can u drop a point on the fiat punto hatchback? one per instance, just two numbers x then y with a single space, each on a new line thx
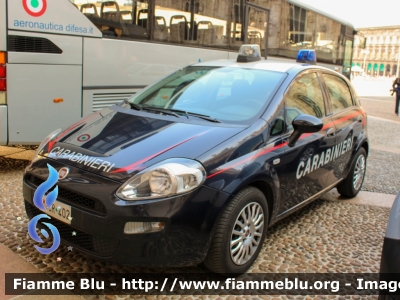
197 166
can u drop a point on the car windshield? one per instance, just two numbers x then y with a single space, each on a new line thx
226 94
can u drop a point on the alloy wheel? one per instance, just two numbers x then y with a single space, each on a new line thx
247 232
359 172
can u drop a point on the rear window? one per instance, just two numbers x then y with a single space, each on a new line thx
228 94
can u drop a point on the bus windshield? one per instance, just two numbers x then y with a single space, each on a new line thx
228 94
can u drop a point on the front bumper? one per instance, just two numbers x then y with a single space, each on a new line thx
99 217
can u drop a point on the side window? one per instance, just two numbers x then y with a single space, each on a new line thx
304 97
339 92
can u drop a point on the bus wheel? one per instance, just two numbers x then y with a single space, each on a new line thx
239 234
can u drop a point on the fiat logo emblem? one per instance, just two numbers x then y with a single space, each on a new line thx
62 173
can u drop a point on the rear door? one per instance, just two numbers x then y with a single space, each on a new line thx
348 119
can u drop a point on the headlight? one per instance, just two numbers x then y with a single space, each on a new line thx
47 139
169 178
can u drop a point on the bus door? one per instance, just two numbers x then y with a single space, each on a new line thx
348 53
256 25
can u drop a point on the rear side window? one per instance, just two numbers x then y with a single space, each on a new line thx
304 97
339 92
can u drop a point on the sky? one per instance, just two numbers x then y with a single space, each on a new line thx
361 13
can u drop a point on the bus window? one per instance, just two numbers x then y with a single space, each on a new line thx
160 31
143 17
327 41
117 18
307 29
257 27
237 25
171 21
127 16
89 10
211 24
192 22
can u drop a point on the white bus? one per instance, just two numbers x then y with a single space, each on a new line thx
60 61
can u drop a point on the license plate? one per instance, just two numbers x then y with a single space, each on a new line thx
60 211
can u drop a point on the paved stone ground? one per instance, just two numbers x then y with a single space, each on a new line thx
382 107
18 152
383 133
384 159
325 236
382 174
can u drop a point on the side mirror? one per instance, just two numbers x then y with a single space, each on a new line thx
304 124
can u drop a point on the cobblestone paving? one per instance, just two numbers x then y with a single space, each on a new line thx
323 237
380 107
384 133
382 174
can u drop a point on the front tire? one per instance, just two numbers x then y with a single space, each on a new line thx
352 184
239 234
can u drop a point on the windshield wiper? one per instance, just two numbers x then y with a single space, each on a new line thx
132 105
180 111
204 117
207 118
171 112
161 110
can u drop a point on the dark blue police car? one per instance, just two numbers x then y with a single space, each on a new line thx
197 166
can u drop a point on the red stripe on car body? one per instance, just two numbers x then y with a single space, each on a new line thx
52 143
250 158
284 144
138 163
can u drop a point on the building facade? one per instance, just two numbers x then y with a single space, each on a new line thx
381 55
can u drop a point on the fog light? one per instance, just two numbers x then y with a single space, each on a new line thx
143 227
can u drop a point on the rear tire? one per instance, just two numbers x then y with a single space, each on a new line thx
239 234
352 184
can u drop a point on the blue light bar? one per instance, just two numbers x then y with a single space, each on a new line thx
307 56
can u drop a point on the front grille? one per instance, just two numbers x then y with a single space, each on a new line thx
76 200
101 246
18 43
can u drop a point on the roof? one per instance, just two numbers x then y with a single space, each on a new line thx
261 65
268 65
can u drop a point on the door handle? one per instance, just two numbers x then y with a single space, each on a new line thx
330 131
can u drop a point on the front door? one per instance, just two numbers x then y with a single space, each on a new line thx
306 166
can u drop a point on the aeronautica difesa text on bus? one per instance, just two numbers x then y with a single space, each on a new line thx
61 61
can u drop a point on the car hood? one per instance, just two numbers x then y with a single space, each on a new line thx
118 143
